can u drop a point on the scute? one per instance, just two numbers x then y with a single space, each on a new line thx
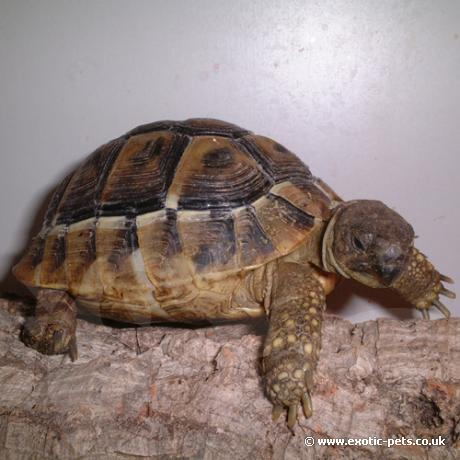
208 240
169 202
254 244
215 172
277 160
142 173
193 127
82 193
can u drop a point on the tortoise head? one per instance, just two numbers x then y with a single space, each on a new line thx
367 241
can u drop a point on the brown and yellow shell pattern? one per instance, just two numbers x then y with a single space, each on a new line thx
151 214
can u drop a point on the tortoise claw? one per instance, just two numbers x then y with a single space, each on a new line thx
425 313
446 279
73 350
307 405
442 308
276 412
292 415
447 293
293 410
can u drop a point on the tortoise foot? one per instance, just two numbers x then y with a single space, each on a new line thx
289 387
52 330
433 298
50 338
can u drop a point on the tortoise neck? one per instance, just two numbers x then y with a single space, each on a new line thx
327 252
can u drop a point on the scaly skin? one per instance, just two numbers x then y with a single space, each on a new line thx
52 329
293 342
370 243
420 284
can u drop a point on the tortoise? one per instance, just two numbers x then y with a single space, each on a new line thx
203 220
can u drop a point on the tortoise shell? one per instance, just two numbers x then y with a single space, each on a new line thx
170 201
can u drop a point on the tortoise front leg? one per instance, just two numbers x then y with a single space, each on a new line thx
52 329
421 284
293 342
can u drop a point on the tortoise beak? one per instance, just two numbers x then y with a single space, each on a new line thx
390 264
389 273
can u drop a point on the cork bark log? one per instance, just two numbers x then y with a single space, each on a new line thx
169 392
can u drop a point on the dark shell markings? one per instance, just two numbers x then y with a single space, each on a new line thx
169 202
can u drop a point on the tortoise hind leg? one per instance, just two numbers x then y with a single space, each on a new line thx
294 340
52 329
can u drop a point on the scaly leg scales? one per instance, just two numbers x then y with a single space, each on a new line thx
293 342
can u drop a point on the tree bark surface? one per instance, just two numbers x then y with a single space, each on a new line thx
169 392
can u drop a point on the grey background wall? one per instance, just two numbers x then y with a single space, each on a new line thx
365 92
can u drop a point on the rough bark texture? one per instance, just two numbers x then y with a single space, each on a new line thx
159 392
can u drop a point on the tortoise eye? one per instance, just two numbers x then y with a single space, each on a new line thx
362 241
358 244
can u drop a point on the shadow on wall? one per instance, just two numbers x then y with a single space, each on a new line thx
389 300
9 284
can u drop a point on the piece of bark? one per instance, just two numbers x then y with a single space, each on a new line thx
169 392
